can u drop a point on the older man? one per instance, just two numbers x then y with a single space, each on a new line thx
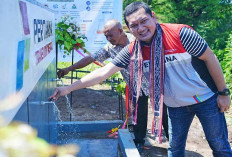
181 71
117 40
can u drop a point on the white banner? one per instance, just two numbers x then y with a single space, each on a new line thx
91 14
27 47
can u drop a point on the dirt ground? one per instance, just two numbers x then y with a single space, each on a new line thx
101 103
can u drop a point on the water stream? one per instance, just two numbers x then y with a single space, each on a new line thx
55 107
57 110
67 100
62 133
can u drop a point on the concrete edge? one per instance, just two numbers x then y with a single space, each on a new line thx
126 144
88 126
81 127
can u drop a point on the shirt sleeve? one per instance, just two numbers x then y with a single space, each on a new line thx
101 55
193 43
122 59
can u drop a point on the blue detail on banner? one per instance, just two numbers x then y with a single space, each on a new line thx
87 20
88 3
107 12
55 6
20 65
88 8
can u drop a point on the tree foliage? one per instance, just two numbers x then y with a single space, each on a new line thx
210 18
227 62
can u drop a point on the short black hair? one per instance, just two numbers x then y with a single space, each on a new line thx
133 7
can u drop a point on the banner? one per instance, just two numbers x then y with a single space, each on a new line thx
91 15
27 47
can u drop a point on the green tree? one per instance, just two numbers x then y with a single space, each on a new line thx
226 63
210 18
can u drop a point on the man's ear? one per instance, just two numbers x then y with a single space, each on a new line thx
153 15
120 30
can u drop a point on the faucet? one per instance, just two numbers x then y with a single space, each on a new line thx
58 80
50 101
46 102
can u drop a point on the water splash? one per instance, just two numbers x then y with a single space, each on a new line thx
67 100
55 107
69 106
58 111
66 136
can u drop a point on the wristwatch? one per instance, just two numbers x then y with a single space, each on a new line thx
225 92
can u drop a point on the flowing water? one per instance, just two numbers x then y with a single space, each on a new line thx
67 100
57 110
62 132
69 106
55 107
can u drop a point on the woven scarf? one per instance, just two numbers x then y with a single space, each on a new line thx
156 82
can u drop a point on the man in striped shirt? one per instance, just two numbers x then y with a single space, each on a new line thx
193 80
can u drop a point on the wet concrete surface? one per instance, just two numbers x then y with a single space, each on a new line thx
91 144
96 147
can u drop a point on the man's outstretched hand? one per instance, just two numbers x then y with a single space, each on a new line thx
58 92
62 72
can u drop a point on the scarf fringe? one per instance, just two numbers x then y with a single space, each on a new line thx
156 80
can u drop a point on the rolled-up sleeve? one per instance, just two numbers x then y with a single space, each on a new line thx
122 60
101 55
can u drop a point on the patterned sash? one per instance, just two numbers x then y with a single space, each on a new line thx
156 82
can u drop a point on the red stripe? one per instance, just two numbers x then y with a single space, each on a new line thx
127 98
196 99
98 64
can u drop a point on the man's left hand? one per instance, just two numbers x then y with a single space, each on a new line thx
223 102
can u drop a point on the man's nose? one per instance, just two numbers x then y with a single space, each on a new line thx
140 28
